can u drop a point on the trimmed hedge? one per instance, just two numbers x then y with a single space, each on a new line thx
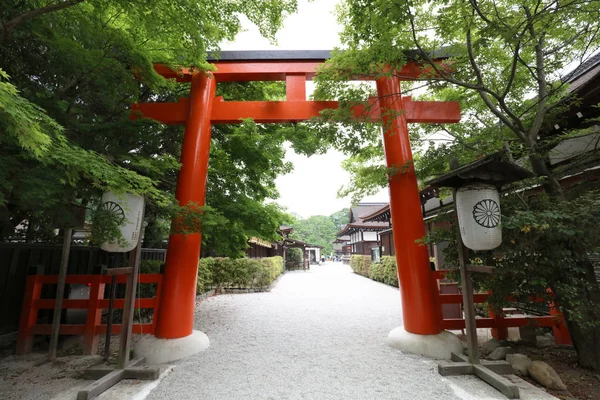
361 264
243 273
384 271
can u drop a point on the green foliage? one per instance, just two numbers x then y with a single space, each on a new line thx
340 218
388 272
28 124
320 230
224 273
504 64
546 244
317 230
66 134
293 257
384 271
504 61
360 264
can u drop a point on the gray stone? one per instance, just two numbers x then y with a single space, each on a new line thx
545 341
500 353
490 346
519 362
545 375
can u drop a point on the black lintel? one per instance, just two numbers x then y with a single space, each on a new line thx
310 55
269 55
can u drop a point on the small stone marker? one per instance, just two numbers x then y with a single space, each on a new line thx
545 375
520 363
500 353
489 346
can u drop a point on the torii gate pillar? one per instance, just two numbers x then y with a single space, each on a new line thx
422 332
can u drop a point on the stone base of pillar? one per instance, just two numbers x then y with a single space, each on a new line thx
439 346
160 351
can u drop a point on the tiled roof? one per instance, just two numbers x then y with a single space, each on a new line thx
363 209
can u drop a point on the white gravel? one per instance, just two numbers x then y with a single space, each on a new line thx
318 334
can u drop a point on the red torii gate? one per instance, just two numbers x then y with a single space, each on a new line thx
421 313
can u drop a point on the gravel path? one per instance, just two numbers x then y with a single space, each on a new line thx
318 334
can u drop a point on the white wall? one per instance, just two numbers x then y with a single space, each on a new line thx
370 236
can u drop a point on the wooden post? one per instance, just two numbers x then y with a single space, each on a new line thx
111 303
60 291
129 306
467 293
33 290
94 316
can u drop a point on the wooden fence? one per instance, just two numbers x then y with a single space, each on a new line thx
93 327
17 260
499 322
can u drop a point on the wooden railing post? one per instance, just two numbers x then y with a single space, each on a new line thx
33 290
157 302
500 332
560 330
94 316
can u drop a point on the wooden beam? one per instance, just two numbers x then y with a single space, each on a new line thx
246 71
480 268
231 112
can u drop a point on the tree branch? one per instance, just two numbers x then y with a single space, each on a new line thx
542 84
513 69
19 19
515 125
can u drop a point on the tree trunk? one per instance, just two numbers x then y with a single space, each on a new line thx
551 185
585 330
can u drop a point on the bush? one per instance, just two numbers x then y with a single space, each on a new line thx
388 271
361 264
384 271
294 257
222 273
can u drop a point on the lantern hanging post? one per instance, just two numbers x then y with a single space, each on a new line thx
477 208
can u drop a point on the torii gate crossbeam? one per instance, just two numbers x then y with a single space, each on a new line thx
421 313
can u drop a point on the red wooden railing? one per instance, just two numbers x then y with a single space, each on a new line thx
94 305
499 322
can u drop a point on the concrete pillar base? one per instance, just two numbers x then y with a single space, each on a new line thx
440 346
160 351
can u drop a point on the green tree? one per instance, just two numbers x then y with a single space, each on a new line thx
66 133
504 64
340 218
320 230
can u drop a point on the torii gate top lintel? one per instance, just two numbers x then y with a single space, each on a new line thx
295 68
277 65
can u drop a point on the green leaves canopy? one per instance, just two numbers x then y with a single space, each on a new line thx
75 68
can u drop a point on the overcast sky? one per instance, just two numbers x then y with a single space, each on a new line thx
311 189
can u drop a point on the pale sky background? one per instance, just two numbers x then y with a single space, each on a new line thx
311 189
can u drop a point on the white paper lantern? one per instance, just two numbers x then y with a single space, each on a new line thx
478 207
129 209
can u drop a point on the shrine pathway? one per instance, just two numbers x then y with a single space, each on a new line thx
318 334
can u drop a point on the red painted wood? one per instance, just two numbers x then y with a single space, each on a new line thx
509 322
33 289
457 298
420 302
94 316
87 279
295 87
46 329
246 71
232 112
178 297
